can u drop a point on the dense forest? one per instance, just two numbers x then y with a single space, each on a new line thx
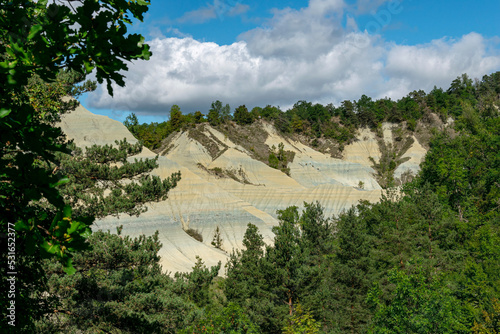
424 259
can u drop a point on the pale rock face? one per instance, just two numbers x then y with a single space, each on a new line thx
88 129
195 203
361 150
387 132
366 146
416 153
312 168
204 201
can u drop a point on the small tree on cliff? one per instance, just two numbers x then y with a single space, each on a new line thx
217 239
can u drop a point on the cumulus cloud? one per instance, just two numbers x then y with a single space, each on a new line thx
306 33
299 54
435 62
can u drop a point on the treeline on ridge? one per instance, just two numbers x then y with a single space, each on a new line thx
336 123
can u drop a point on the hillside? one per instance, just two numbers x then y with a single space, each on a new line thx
425 253
225 185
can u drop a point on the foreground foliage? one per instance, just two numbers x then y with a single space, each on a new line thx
119 287
46 50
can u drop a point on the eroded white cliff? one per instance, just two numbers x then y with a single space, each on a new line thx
203 200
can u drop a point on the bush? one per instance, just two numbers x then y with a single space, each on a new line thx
273 161
195 234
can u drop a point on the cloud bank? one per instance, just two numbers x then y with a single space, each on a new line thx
305 54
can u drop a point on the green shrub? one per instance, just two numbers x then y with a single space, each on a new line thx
195 234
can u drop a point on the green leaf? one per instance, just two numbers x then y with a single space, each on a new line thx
4 112
34 30
50 248
67 211
89 66
68 267
87 233
60 182
21 226
74 227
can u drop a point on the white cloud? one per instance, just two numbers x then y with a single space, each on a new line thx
440 61
198 16
211 11
299 54
238 9
305 33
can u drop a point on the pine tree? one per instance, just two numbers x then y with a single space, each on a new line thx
214 114
242 116
351 272
195 284
316 242
249 283
243 268
217 239
176 118
287 255
120 287
103 181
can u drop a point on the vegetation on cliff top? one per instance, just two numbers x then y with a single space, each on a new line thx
328 128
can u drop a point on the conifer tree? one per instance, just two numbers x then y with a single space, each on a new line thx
103 181
243 268
214 114
120 287
242 116
317 231
217 239
195 284
351 271
317 240
287 255
247 283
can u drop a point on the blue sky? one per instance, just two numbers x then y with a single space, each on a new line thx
277 52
